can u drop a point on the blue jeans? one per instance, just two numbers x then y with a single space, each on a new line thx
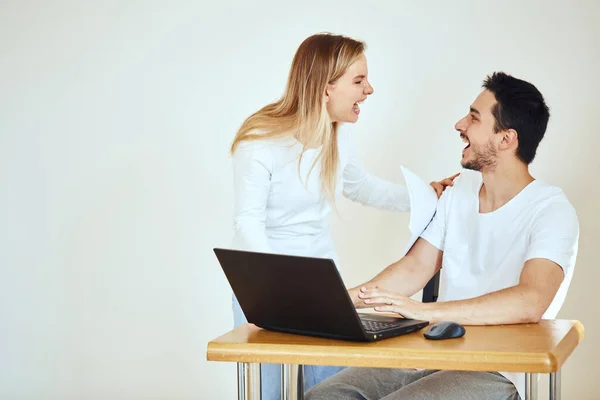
271 373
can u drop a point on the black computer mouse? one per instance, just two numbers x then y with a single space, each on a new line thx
445 330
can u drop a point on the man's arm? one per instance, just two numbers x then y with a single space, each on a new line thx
406 276
525 302
550 255
412 272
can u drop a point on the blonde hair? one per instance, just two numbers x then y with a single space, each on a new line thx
320 60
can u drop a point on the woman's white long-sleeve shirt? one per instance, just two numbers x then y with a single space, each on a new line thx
277 210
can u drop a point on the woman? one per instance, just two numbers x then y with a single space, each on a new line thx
290 163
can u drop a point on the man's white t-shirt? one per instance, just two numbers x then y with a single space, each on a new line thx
486 252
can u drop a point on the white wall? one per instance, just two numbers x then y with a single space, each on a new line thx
115 182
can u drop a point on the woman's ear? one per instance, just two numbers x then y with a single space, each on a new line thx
328 89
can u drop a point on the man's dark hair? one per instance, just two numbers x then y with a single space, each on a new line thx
520 106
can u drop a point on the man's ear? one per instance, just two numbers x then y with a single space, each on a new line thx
510 138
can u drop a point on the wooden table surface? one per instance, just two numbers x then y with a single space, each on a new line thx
540 348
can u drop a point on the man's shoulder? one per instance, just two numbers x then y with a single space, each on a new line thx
546 195
551 201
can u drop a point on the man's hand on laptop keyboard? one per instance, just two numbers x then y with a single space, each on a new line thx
356 300
355 295
385 301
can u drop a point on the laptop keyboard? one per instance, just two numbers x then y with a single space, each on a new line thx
375 326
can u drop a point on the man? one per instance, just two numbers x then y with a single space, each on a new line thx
506 244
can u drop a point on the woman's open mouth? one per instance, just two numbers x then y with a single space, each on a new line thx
356 106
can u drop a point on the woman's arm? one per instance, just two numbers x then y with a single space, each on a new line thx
365 188
252 168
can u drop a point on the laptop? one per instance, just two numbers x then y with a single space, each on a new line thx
303 295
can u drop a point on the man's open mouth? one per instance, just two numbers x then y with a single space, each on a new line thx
465 140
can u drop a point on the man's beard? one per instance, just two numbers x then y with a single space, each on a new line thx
484 158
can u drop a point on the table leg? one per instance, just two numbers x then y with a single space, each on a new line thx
531 386
292 384
248 381
555 387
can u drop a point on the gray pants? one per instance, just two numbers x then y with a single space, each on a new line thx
410 384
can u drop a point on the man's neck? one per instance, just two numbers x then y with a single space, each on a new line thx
501 184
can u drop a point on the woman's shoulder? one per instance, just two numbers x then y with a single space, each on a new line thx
253 146
257 140
267 150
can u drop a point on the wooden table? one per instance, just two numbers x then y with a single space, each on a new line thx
528 348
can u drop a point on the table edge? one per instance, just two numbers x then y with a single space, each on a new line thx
372 357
